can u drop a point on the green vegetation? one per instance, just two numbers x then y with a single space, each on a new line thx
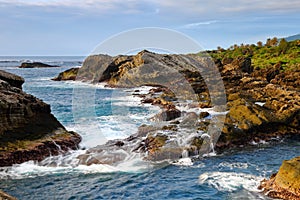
264 55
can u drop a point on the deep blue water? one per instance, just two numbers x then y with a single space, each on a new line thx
234 174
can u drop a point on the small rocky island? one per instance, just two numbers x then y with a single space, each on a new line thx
28 130
35 65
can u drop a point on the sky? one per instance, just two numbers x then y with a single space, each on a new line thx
76 27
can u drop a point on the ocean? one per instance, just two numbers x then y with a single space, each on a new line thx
116 113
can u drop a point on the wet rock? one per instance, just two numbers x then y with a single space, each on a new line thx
286 183
190 120
102 155
203 115
167 115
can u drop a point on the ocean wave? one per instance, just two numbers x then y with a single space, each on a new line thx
65 164
230 181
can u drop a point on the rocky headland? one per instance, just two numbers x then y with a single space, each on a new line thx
262 101
28 130
262 104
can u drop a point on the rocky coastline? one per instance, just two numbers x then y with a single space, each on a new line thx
28 130
262 104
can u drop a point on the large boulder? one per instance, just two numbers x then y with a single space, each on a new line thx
28 130
286 183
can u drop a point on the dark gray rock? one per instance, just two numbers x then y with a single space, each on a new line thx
12 79
35 65
28 130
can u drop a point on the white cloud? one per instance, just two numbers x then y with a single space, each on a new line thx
217 7
183 6
181 9
99 5
198 24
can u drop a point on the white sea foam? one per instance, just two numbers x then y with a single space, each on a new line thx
64 164
31 169
234 165
100 129
123 122
187 108
183 162
259 142
230 181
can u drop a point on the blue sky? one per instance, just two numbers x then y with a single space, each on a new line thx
75 27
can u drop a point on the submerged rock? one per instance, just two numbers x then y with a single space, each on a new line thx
35 65
28 130
285 184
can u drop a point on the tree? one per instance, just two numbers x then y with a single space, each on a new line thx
259 44
274 41
268 42
283 46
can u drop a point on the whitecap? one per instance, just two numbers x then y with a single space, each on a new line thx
230 181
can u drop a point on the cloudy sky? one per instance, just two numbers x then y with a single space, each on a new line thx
75 27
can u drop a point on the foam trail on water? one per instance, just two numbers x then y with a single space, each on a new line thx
64 164
230 181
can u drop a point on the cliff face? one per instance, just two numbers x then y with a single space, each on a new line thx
28 130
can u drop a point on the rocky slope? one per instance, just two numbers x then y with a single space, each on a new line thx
28 130
262 104
286 183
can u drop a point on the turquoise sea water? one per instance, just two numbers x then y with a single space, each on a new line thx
234 174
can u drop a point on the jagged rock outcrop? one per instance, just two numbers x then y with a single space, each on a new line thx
28 130
262 104
35 65
285 184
